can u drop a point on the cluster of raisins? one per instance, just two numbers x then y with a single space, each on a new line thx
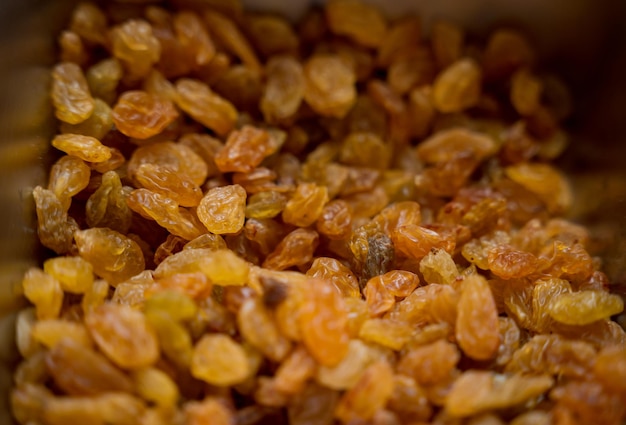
346 221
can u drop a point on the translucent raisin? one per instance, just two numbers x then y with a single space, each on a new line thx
97 125
194 38
458 87
135 45
415 241
44 291
584 307
103 79
114 257
329 85
84 147
370 394
163 180
257 326
73 273
295 249
430 363
141 115
386 333
204 106
334 271
306 204
166 212
176 156
219 360
401 38
71 97
229 35
222 209
477 320
245 149
271 34
322 320
107 207
525 92
265 205
284 89
360 22
68 176
90 22
498 391
80 371
155 386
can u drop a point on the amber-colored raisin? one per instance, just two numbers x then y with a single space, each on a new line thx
295 249
114 257
124 335
78 370
329 85
257 326
430 363
370 394
84 147
226 31
70 94
203 105
322 320
284 89
340 275
141 115
244 150
219 360
73 273
222 209
477 320
457 87
359 21
135 45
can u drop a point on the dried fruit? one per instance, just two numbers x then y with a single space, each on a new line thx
431 363
80 371
295 249
71 98
342 221
124 335
369 394
284 90
73 273
322 320
222 209
114 257
204 106
359 21
141 115
479 391
44 291
306 204
477 320
259 329
84 147
219 360
457 87
584 307
135 45
329 85
334 271
244 150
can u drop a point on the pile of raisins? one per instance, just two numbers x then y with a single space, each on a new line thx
346 221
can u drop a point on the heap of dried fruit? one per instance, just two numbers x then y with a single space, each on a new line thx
348 221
